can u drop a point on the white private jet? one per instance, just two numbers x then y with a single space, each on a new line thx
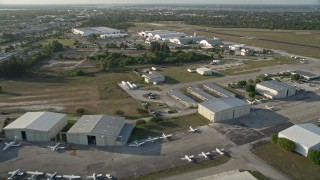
151 139
136 143
205 155
270 107
192 130
188 158
164 136
220 151
71 177
56 147
53 176
15 173
109 176
11 144
34 174
94 176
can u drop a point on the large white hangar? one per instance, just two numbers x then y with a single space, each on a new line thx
275 89
86 31
223 109
36 126
100 130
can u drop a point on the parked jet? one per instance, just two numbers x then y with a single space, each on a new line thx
71 177
188 158
164 136
192 130
34 174
15 173
11 144
53 176
136 143
56 147
94 176
220 151
109 176
151 139
251 102
205 155
270 107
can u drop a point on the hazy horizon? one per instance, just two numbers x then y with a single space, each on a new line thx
131 2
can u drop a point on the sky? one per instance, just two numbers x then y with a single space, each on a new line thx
293 2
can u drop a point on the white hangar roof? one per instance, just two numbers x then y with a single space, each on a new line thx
221 104
275 85
306 134
40 121
97 124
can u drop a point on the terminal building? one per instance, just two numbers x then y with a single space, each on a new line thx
86 31
182 98
36 126
223 109
218 90
306 136
100 130
275 89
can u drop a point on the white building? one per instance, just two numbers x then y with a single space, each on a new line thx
36 126
167 37
155 32
210 43
217 110
306 136
218 90
275 89
204 71
200 93
306 75
153 77
188 40
106 36
182 98
100 130
95 30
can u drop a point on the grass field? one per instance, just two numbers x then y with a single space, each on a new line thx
64 42
167 126
183 169
279 35
294 165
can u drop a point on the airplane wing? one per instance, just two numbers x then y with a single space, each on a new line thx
60 148
7 144
183 158
90 177
71 177
15 145
34 173
109 176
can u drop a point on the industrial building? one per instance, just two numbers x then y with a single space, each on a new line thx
306 75
204 71
167 37
218 90
223 109
95 30
153 77
210 43
100 130
182 98
155 32
306 136
275 89
110 36
200 93
36 126
188 40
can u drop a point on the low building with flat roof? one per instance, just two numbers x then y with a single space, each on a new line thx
275 89
218 90
100 130
204 71
182 98
86 31
306 75
36 126
200 93
223 109
153 77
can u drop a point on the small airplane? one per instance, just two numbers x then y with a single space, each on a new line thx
34 174
251 102
151 139
220 151
192 130
205 155
109 176
71 177
164 136
188 158
15 173
94 176
137 143
11 144
258 100
53 176
56 147
270 107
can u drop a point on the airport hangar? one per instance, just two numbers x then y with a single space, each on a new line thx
217 110
100 130
36 126
275 89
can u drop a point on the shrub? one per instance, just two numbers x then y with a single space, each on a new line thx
156 119
140 122
241 83
119 113
250 87
80 111
252 94
286 144
314 156
79 72
274 138
142 111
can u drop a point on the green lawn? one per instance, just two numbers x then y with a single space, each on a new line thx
167 126
184 169
294 165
